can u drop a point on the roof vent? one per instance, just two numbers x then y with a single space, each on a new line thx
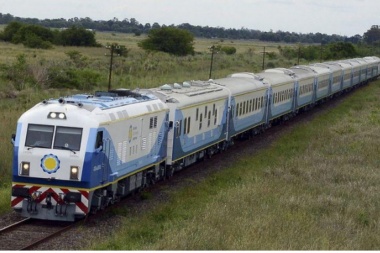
177 86
166 87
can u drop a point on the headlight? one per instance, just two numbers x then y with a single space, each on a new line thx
56 115
25 168
74 171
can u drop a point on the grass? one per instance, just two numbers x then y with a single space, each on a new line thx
315 188
141 69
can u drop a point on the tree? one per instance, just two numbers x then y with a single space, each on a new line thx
77 36
170 40
33 36
10 30
372 35
340 50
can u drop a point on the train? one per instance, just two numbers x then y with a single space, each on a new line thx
76 155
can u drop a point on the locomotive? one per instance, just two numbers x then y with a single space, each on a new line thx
78 154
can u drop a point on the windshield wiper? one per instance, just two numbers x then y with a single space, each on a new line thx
36 146
66 148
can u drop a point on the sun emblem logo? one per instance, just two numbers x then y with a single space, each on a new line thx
50 163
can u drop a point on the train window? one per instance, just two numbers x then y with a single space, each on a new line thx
153 122
200 121
178 128
150 123
216 116
99 139
196 114
209 119
185 126
206 110
188 125
213 110
40 136
68 138
237 110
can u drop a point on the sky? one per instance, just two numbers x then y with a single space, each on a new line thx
342 17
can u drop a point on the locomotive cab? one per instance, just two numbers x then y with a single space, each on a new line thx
48 164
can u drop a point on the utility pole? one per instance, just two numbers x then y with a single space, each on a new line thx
112 48
299 52
212 48
263 59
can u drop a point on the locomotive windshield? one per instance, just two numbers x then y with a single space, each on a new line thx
68 138
41 136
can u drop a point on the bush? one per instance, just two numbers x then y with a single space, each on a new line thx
229 50
71 78
77 36
35 36
169 40
34 41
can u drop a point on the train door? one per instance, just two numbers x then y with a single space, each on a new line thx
100 158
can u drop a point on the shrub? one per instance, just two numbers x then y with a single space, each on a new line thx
229 50
170 40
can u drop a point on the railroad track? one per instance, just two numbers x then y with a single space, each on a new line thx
28 233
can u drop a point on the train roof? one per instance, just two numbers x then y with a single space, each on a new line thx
353 63
103 99
372 58
188 93
275 78
333 68
239 83
297 73
318 70
194 92
343 65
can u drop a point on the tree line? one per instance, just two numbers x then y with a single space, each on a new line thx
133 26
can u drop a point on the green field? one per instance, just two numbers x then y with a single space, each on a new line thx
314 188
